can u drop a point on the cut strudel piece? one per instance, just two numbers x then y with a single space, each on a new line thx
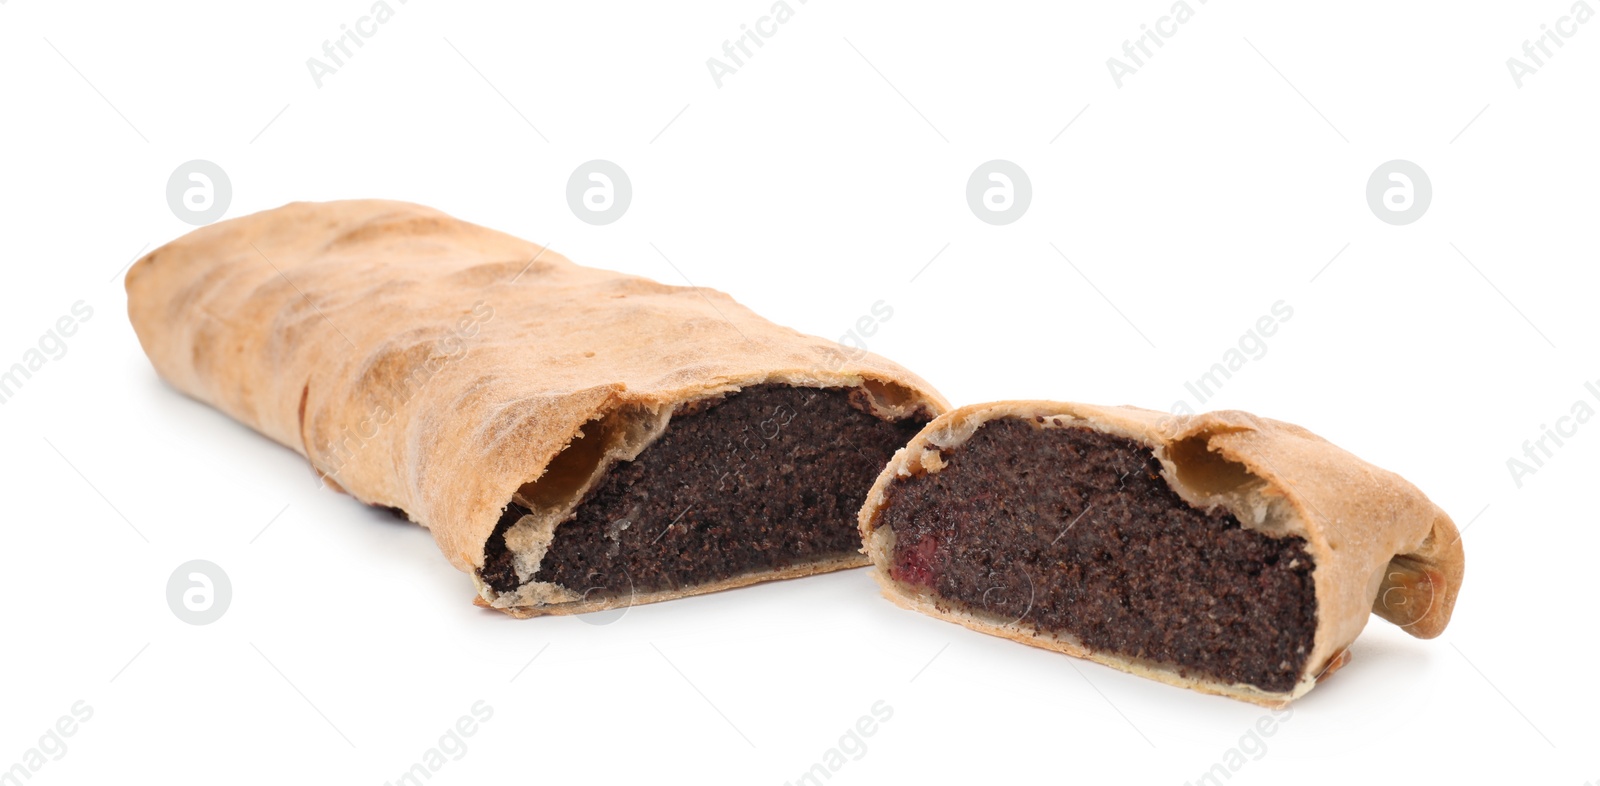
574 439
1223 552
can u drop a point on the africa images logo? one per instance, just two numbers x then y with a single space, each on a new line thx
52 346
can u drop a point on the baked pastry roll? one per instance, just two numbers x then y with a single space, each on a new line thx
575 439
1222 552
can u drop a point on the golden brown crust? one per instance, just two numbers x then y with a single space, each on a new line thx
428 364
1380 545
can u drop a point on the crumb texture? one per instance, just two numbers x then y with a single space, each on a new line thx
1075 531
767 478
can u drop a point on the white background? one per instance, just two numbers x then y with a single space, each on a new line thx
821 177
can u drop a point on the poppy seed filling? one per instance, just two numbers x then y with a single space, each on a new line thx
1072 531
767 478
